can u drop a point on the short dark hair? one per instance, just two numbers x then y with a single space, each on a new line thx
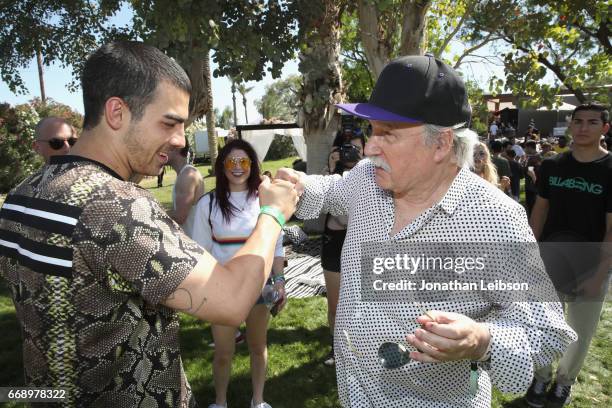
129 70
594 106
506 144
531 143
511 154
496 146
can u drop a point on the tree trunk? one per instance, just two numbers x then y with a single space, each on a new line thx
210 115
378 36
246 117
234 102
41 79
413 27
377 50
198 103
322 85
201 102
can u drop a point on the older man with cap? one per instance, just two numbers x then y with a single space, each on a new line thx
415 186
53 137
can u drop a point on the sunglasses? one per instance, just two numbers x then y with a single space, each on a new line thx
243 162
394 355
57 144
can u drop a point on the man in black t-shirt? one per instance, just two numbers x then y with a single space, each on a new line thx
574 205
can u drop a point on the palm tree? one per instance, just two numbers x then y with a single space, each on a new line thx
243 90
234 99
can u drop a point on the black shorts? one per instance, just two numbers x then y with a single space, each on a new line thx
331 248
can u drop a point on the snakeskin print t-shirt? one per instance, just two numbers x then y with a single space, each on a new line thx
88 258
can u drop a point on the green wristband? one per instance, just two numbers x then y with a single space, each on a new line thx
274 213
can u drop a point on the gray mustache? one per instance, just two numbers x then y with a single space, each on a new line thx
379 162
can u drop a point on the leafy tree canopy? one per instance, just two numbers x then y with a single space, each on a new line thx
63 31
569 39
281 99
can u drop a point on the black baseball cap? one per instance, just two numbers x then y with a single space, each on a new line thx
416 89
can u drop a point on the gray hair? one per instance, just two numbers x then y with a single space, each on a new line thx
464 140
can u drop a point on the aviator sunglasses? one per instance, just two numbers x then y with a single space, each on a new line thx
57 144
243 162
392 355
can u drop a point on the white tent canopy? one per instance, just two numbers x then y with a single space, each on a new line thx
261 139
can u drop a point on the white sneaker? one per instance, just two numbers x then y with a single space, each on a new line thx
262 405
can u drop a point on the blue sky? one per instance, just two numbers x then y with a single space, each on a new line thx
57 78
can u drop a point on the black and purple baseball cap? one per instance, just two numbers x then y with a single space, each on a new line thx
416 89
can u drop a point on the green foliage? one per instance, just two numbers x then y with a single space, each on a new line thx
17 159
357 79
246 36
281 99
480 113
445 19
53 108
281 148
569 39
224 120
64 32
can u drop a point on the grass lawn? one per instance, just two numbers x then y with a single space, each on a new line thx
298 341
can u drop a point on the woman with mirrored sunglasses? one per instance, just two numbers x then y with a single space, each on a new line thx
224 219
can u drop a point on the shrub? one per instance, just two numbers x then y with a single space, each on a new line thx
17 159
281 148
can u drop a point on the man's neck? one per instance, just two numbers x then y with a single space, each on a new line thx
589 153
101 149
178 165
410 205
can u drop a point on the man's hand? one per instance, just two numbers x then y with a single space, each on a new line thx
450 337
280 194
292 176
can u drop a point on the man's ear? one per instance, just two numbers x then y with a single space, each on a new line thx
36 146
116 113
443 145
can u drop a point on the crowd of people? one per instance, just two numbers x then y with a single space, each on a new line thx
98 270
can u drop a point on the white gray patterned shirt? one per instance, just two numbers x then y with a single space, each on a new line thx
523 334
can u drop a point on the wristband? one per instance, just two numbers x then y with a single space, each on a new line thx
274 213
278 278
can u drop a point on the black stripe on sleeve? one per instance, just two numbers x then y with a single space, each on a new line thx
43 224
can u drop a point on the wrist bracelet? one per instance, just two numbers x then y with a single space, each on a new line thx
274 213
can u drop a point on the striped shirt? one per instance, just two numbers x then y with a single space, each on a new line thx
88 258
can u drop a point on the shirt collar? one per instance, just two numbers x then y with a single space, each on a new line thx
70 158
456 192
